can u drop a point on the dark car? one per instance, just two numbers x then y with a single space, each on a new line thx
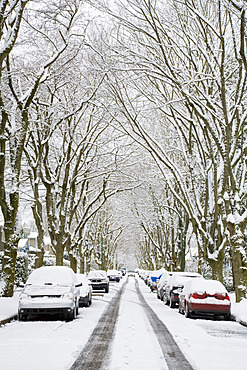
205 297
113 275
123 270
99 280
175 285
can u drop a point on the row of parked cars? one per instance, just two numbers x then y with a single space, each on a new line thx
190 292
57 290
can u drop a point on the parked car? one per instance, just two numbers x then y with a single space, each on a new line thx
123 269
113 275
50 290
200 296
175 284
98 280
86 289
146 276
154 278
162 284
131 273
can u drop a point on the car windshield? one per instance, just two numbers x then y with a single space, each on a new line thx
93 274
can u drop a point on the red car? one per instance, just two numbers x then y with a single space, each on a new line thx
200 296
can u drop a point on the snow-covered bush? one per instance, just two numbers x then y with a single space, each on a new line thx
21 269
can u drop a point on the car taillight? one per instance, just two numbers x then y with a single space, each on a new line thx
199 295
222 296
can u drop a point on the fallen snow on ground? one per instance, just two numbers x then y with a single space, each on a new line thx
135 345
48 345
239 310
198 339
8 306
54 345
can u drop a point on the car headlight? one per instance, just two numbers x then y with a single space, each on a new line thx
23 296
68 296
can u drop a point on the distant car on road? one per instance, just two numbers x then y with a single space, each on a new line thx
203 297
99 280
123 269
113 275
50 290
86 289
131 273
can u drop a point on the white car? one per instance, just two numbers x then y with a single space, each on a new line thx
50 290
98 280
86 289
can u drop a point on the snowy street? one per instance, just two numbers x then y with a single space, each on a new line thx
50 345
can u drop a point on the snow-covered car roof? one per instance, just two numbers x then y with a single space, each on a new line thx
60 275
203 285
157 273
179 278
113 272
96 273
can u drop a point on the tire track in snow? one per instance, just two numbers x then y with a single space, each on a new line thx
174 357
96 351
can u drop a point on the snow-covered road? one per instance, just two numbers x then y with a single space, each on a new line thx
135 345
55 345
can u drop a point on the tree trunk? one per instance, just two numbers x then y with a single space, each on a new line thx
39 257
9 260
217 268
59 255
238 266
73 262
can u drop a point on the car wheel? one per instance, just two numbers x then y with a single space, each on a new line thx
87 304
172 304
187 312
107 289
22 317
158 296
71 316
165 300
227 317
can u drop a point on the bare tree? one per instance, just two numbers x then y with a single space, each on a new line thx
188 68
18 91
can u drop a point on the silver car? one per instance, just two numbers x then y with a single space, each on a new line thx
50 290
85 298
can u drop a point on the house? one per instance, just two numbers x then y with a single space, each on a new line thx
23 245
47 244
